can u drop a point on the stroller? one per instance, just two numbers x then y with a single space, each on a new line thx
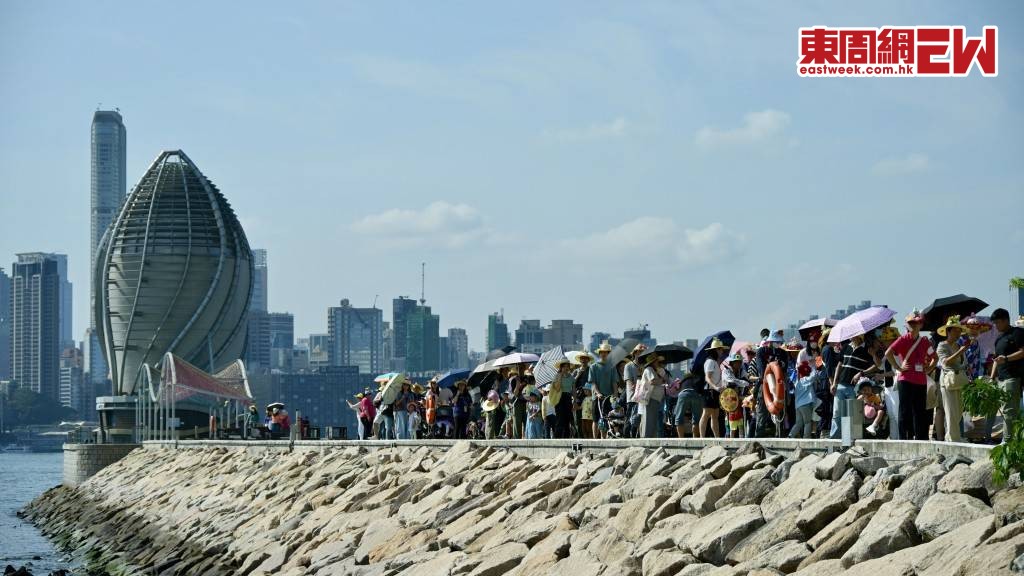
444 423
614 421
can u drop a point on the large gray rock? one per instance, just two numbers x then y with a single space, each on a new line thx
751 488
712 537
825 505
1008 506
711 454
944 513
501 560
632 518
838 541
868 465
703 500
778 529
832 466
666 562
740 465
858 510
784 556
790 494
721 467
974 480
544 554
920 485
890 529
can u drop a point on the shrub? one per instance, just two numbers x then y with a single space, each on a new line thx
983 397
1008 457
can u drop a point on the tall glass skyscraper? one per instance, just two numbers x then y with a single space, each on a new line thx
108 186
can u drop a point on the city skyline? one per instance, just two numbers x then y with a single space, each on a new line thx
540 146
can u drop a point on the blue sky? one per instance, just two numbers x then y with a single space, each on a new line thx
614 163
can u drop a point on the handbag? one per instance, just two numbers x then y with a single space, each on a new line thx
953 381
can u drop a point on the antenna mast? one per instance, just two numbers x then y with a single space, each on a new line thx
423 283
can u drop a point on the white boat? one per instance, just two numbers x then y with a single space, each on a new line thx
16 448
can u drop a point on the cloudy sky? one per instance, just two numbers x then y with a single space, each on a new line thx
615 163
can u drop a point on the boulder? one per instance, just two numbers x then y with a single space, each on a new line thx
577 563
740 465
710 455
868 465
711 538
666 562
751 488
720 468
974 480
703 500
790 494
499 561
858 510
784 556
920 485
943 513
702 569
631 520
778 529
825 505
608 546
832 466
544 554
890 529
838 542
1008 505
818 568
994 558
781 472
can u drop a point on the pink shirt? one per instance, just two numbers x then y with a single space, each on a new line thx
922 354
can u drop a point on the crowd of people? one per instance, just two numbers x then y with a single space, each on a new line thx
909 386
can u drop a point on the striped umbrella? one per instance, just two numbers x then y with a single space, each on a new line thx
544 372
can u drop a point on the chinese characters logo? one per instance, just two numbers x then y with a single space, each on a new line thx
919 51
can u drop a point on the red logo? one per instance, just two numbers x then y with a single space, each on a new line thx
896 51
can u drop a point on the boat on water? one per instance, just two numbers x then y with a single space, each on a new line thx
15 448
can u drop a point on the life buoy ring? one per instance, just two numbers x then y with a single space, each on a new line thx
773 387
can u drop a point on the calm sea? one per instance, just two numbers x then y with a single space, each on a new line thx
23 476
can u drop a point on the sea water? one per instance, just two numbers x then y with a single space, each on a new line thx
23 476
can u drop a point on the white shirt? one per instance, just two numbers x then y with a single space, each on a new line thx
714 373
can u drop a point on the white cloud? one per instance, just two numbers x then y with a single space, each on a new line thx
911 163
661 240
757 127
438 224
598 131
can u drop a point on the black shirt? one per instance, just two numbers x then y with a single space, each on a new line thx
1007 343
854 360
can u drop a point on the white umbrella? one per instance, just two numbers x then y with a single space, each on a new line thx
516 358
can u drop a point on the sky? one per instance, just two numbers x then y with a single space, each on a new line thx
614 163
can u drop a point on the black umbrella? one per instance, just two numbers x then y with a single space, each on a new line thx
483 374
940 310
621 350
702 351
672 353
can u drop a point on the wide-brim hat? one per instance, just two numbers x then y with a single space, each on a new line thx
488 405
604 347
775 337
862 383
889 334
651 358
493 395
559 362
417 388
360 395
951 322
977 324
531 391
792 346
915 317
717 344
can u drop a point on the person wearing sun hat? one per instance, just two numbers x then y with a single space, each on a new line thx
604 379
631 375
560 397
489 405
914 357
713 381
650 394
951 354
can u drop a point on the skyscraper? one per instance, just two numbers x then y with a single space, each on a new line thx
564 333
259 280
422 334
35 323
108 185
401 308
458 348
5 325
282 339
530 337
73 390
355 337
497 332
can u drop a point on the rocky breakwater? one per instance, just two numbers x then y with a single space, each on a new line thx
479 510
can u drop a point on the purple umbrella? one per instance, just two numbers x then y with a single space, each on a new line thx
860 322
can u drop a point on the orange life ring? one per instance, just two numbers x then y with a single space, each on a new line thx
774 393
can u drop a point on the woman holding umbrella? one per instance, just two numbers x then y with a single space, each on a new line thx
713 381
651 394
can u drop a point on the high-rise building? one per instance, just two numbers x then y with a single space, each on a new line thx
530 337
458 348
35 323
401 308
564 333
75 392
444 356
319 345
271 337
388 358
320 396
641 333
355 337
5 325
259 280
422 334
108 185
497 332
598 337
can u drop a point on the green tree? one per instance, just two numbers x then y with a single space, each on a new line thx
28 408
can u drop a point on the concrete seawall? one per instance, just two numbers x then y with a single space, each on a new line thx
82 461
575 507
